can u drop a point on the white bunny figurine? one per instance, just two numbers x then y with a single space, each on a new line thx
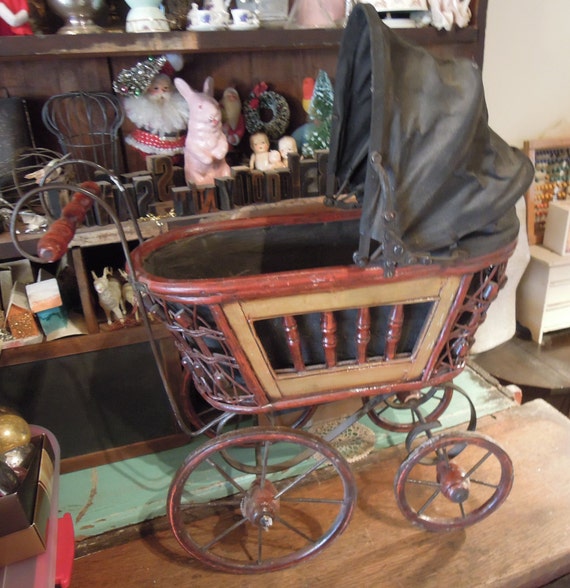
206 145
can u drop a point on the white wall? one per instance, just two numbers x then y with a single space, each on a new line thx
526 69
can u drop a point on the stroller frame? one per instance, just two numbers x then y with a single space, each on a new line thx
263 471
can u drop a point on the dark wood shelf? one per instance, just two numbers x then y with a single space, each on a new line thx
79 344
85 237
122 44
28 242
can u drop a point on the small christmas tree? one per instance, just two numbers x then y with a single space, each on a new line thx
320 115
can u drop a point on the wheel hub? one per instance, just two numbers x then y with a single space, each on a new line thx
259 505
454 485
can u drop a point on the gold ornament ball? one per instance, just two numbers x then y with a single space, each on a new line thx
14 432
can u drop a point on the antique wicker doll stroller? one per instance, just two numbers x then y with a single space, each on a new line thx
274 315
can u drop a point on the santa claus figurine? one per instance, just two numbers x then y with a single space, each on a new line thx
154 106
233 122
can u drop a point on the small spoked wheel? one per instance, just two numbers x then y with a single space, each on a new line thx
440 489
259 521
401 412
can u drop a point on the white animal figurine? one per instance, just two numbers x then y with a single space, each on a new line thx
110 296
206 145
40 174
129 294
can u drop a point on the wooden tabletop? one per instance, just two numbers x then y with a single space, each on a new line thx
530 365
525 543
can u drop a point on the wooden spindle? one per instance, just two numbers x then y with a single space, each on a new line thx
328 331
294 342
362 333
395 322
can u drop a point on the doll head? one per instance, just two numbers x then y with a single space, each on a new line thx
259 143
287 145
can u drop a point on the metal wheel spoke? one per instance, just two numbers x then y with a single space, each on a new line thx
482 483
264 460
225 475
429 501
260 532
423 482
223 534
312 500
220 502
295 529
443 455
478 464
382 410
300 477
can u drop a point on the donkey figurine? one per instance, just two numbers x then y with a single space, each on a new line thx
110 296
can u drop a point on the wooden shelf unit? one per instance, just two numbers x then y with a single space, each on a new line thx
107 45
280 57
79 344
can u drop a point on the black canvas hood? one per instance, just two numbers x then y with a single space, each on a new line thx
446 175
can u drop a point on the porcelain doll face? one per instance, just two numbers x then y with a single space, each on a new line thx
259 143
287 145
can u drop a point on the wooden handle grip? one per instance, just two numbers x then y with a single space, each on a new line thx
54 243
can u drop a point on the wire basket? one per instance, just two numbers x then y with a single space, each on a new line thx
86 125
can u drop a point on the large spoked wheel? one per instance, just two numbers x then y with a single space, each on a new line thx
258 522
401 412
440 489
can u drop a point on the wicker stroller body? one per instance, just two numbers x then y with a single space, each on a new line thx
305 334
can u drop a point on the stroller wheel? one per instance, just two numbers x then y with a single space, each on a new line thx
440 488
260 521
401 412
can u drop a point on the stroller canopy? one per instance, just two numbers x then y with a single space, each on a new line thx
446 175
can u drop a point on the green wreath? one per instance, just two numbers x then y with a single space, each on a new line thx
262 98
